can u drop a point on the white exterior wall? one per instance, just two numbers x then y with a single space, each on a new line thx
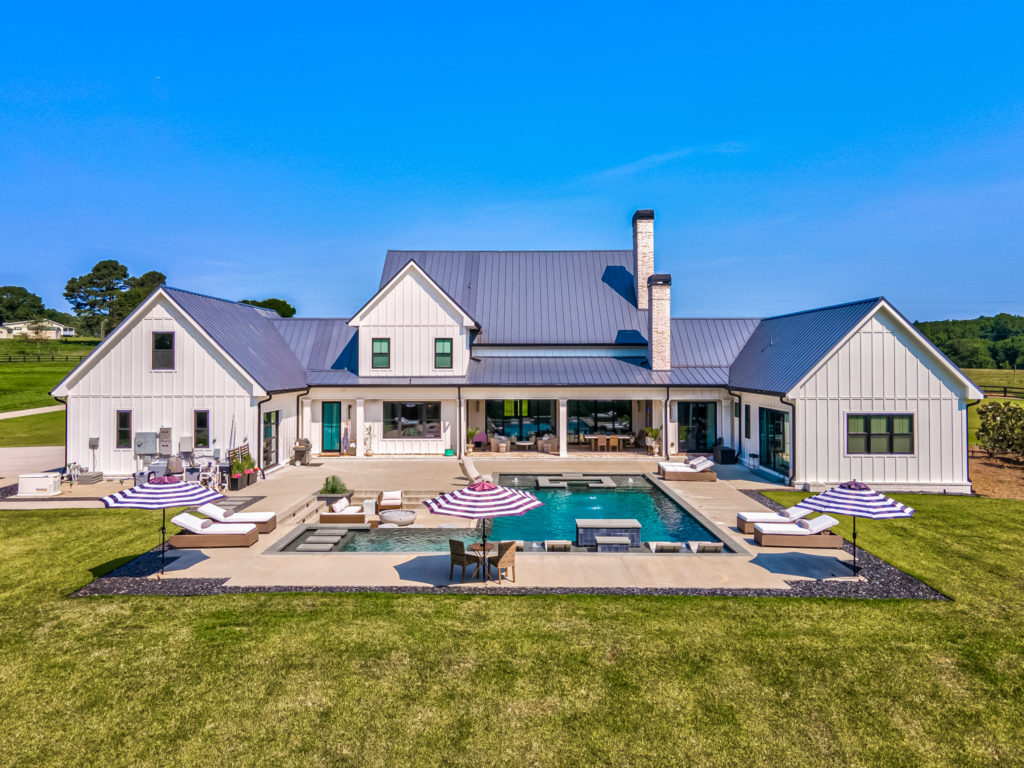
412 314
119 378
753 444
883 369
287 426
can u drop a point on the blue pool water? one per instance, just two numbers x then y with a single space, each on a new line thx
632 498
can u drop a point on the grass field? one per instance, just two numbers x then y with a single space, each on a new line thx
38 429
991 377
384 680
28 385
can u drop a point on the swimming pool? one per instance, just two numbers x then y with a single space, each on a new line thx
632 497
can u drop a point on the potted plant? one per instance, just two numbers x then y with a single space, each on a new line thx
249 469
651 435
470 434
238 480
368 442
332 490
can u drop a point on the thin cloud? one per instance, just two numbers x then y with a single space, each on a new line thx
653 161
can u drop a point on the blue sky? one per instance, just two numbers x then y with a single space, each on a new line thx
795 155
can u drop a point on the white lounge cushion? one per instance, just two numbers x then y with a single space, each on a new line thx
786 529
222 515
353 509
391 495
701 463
193 524
818 524
339 506
675 466
792 514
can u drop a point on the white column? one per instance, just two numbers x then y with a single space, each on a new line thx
358 427
671 430
667 429
305 418
563 427
460 449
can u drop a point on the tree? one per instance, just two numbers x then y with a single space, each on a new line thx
17 303
282 307
95 294
138 288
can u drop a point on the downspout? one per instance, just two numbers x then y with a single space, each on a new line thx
739 426
792 442
64 402
259 434
298 414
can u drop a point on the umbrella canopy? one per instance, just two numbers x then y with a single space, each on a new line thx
856 499
483 500
161 493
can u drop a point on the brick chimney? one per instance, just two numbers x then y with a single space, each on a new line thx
659 329
643 253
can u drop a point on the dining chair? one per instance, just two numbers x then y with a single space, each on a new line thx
601 443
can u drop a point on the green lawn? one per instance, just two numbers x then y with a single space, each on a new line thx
28 385
409 680
38 429
992 377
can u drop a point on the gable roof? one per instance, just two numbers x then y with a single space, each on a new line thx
247 334
783 349
407 268
714 341
537 297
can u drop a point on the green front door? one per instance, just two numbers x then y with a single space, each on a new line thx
331 428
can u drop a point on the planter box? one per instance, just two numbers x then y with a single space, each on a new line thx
251 477
332 498
236 482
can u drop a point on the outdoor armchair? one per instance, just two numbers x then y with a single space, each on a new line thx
459 556
505 560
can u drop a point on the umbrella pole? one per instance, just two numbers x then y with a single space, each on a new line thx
163 536
855 545
483 553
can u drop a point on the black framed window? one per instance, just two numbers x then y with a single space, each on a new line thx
736 410
123 430
746 421
163 350
201 428
519 419
442 353
381 353
880 433
411 420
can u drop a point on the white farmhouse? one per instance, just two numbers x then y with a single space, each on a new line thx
532 348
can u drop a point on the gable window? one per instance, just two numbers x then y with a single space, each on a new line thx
880 433
163 351
123 430
442 353
381 353
412 420
201 423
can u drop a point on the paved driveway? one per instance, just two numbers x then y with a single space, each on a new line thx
21 461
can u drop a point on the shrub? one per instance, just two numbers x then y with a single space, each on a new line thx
333 486
1002 428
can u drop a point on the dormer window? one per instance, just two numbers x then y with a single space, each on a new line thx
442 353
381 353
163 350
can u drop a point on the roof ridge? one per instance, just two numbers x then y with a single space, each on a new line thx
717 318
215 298
512 250
875 300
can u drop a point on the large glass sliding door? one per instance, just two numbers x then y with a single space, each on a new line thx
270 438
698 426
774 428
520 419
593 417
331 423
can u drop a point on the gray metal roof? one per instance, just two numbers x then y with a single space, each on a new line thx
783 349
537 297
320 344
709 341
248 335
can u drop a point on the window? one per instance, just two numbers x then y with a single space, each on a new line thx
746 421
412 420
736 409
123 429
201 424
442 353
381 353
598 417
519 419
879 433
698 426
163 351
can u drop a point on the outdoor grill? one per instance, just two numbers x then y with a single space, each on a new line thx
303 448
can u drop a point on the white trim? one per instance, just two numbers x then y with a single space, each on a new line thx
972 390
465 319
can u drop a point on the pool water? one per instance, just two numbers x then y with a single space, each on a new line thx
632 498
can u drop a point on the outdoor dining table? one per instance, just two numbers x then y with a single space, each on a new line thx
478 547
623 439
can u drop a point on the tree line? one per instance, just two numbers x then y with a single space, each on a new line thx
984 342
101 299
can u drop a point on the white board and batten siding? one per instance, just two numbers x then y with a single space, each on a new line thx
883 369
120 377
412 313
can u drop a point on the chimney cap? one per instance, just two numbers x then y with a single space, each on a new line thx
643 213
659 280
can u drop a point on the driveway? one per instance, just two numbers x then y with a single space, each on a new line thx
21 461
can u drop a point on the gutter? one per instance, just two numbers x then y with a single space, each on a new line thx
298 411
967 453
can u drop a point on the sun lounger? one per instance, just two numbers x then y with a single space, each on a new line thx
201 534
814 534
470 472
745 521
680 470
265 522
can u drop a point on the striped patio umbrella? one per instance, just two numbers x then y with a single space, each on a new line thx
855 499
483 500
161 493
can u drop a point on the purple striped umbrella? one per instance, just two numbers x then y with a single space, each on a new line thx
161 493
483 500
855 499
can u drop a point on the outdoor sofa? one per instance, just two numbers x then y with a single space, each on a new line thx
201 534
343 512
811 534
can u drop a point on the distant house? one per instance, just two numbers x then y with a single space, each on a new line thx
527 344
36 329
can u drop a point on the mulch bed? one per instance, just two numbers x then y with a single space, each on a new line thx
881 582
1000 477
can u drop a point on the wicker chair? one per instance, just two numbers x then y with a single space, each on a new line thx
461 557
504 559
601 443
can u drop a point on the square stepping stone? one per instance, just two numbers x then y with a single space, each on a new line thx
323 539
314 548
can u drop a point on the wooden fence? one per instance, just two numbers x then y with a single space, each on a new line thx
1017 392
42 358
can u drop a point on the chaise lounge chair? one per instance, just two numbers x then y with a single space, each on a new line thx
814 534
698 469
745 521
265 522
202 534
470 472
